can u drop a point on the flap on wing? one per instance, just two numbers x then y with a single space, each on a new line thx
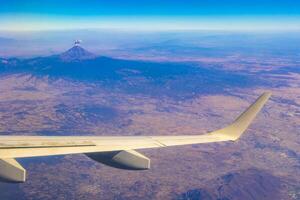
11 171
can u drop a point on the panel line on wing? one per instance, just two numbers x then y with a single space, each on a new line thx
29 147
159 142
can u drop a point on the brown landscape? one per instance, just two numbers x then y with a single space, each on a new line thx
263 164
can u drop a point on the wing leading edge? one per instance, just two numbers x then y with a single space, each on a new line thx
117 150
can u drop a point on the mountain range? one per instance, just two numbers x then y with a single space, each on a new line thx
156 78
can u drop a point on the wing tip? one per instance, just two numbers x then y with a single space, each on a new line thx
267 94
241 124
235 130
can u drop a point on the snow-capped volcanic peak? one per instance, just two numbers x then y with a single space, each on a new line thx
76 53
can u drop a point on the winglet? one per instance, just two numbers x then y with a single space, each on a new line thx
237 128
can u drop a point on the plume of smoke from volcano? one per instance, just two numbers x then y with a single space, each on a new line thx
77 42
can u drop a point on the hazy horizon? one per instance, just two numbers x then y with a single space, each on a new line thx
228 15
115 43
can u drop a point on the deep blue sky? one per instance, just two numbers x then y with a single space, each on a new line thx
154 14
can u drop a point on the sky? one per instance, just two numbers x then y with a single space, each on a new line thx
248 15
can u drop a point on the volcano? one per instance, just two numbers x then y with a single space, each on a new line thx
76 53
176 80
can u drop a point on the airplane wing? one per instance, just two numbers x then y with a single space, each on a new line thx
118 151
